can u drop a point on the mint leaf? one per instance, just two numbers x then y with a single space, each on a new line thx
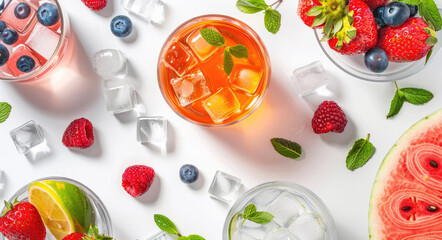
251 6
286 148
428 10
416 96
213 37
183 238
359 154
272 20
195 237
228 62
261 217
165 224
411 2
396 104
5 110
249 210
239 51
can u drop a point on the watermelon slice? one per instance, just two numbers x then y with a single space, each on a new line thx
406 200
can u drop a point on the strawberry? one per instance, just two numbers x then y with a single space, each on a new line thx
316 13
95 5
79 134
21 221
358 33
373 4
137 179
411 41
92 235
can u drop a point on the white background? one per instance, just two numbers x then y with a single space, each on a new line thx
242 150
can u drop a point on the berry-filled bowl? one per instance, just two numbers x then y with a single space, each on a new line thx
355 65
52 208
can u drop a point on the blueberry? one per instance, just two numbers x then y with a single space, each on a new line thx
22 10
2 26
121 26
189 174
378 14
9 36
4 54
396 13
413 10
25 64
376 60
47 14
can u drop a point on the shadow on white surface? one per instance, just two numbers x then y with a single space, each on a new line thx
199 183
93 151
346 137
2 183
108 11
153 193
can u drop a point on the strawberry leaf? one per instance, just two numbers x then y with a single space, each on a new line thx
315 11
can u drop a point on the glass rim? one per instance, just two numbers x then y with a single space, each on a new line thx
251 32
64 36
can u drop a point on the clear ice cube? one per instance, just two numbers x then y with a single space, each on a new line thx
27 137
161 236
279 234
152 129
310 78
43 41
200 46
119 98
257 231
149 10
246 78
264 198
110 63
308 227
222 105
190 87
241 235
224 187
21 25
286 208
19 51
179 59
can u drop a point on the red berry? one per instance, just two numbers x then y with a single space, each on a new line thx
329 117
137 179
95 5
74 236
79 134
373 4
22 222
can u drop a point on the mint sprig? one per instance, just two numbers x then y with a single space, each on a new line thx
5 110
165 224
416 96
214 38
251 214
428 10
360 153
272 18
286 148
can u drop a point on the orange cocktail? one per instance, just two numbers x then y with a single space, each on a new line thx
197 82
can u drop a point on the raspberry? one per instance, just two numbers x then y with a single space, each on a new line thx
329 117
137 179
79 134
95 5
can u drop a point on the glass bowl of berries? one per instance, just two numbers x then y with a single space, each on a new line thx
53 208
377 40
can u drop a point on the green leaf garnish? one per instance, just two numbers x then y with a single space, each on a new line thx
428 10
396 105
251 209
286 148
251 6
228 62
5 110
239 51
213 37
261 217
272 18
360 153
195 237
251 214
165 224
416 96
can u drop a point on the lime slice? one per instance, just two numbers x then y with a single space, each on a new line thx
233 225
63 207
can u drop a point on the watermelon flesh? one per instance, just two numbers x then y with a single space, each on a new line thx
406 199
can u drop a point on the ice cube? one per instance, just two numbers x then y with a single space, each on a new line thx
43 41
286 208
27 137
200 46
161 236
179 59
119 97
190 87
310 78
246 78
5 72
224 186
264 198
279 234
308 227
152 129
149 10
21 25
241 235
257 231
222 105
19 51
110 63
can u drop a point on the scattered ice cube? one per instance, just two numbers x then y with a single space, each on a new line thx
286 208
257 231
279 234
119 98
246 78
310 78
110 63
222 105
43 41
200 46
161 236
241 235
21 25
308 227
264 198
224 186
151 129
179 59
149 10
27 137
19 51
190 87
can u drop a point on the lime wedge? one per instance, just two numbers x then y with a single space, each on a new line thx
233 225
